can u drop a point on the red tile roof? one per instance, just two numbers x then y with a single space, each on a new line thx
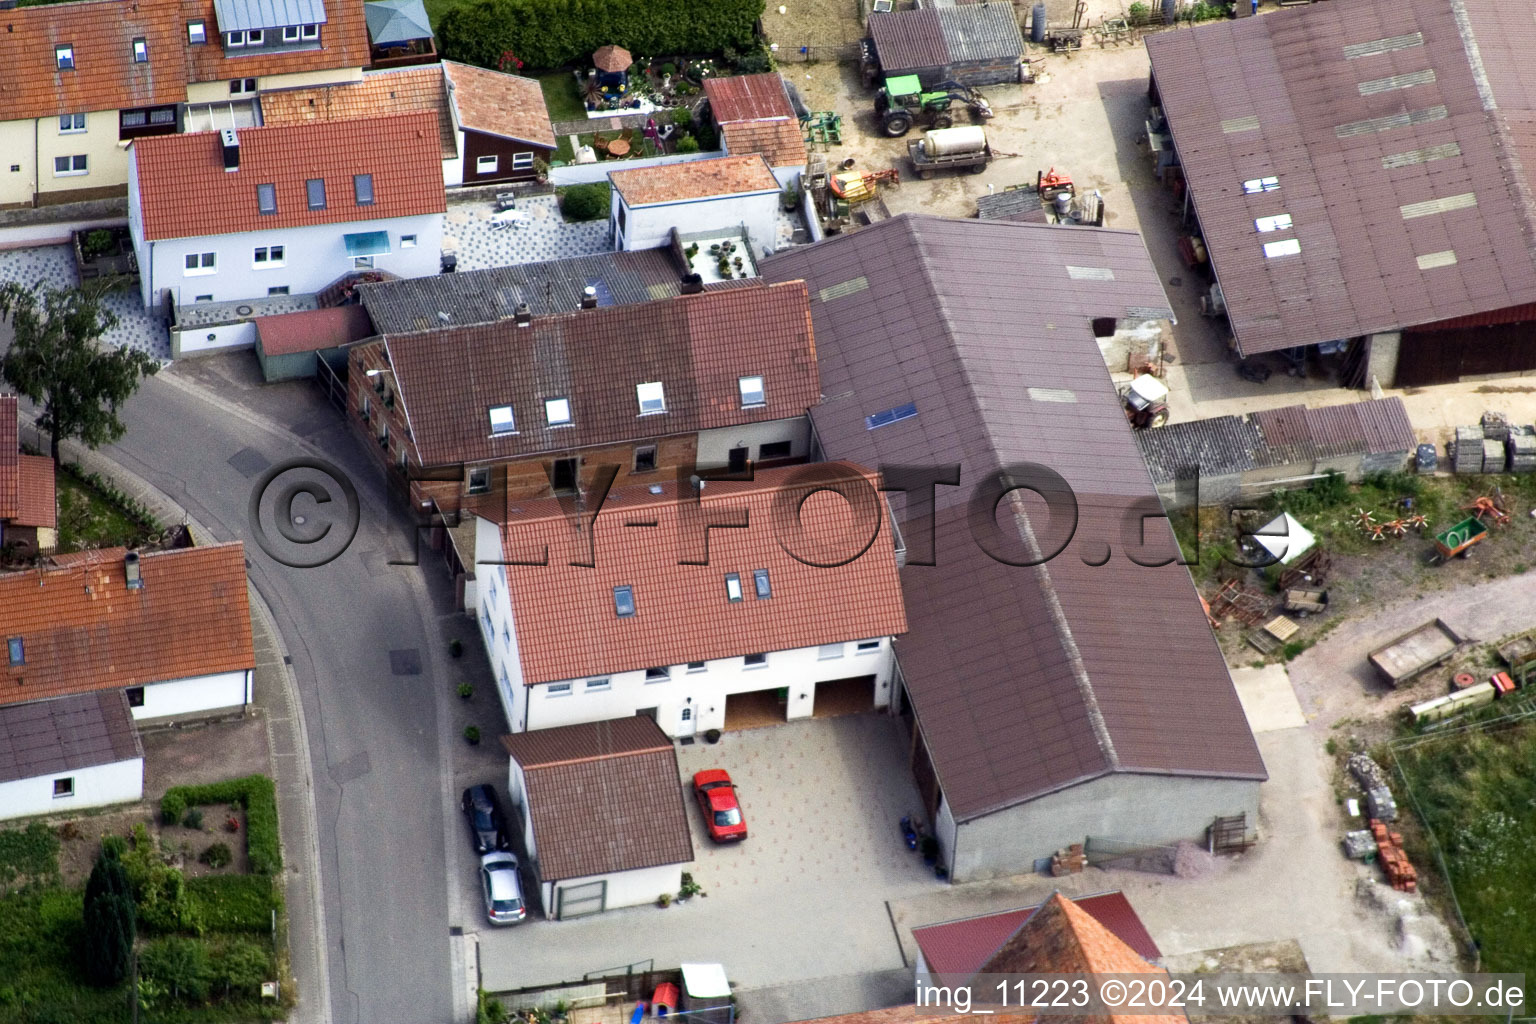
780 142
1063 938
312 329
748 98
564 614
509 106
185 192
343 44
377 94
105 76
603 797
961 947
37 499
83 629
697 179
697 346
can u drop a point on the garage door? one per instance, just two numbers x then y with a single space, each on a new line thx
581 900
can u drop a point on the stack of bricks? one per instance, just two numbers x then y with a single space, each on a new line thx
1069 861
1389 849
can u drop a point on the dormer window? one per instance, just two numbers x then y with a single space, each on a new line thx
501 420
652 398
752 393
309 32
64 57
141 51
234 40
253 37
290 33
197 33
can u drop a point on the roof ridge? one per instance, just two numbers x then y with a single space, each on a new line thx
606 756
1041 570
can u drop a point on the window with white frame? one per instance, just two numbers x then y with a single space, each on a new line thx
242 86
407 241
267 256
278 289
290 33
196 263
697 666
829 652
480 480
559 689
752 393
755 661
557 411
309 31
69 124
254 37
141 51
501 420
197 32
134 118
234 40
486 165
69 166
599 684
652 397
522 161
868 646
660 674
64 57
732 587
506 634
64 787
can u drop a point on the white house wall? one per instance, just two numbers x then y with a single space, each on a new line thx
494 618
625 888
648 227
715 444
704 692
517 797
314 256
98 786
196 694
194 340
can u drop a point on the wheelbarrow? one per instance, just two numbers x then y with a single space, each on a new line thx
1459 540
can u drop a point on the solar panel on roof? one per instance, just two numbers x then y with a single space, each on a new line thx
889 416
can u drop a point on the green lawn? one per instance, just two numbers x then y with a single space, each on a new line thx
89 519
1476 790
560 96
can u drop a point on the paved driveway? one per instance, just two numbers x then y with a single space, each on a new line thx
800 905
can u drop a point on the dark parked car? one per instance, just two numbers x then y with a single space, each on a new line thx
487 825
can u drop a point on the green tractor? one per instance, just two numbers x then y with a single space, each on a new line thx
903 101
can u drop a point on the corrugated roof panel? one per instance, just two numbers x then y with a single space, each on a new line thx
242 15
908 40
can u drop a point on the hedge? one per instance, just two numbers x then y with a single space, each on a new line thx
258 795
235 903
585 202
555 33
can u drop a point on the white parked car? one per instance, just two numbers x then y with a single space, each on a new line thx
502 889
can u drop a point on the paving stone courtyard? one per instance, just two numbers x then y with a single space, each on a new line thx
54 265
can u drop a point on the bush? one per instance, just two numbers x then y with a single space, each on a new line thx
180 966
240 967
235 903
1138 14
585 202
709 140
109 922
682 118
193 819
217 856
554 33
258 795
172 806
686 143
756 61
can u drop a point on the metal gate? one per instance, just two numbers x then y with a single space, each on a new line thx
581 900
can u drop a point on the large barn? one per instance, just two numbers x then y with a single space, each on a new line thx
1361 173
1081 697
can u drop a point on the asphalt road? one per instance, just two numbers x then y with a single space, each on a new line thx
362 635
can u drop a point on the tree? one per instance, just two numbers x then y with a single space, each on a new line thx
57 360
109 921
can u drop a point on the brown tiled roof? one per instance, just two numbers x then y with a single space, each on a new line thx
611 58
509 106
10 457
1119 671
564 615
697 179
748 98
311 329
50 737
779 142
343 44
603 797
697 346
1367 115
962 947
105 76
377 94
185 191
1063 938
84 630
36 503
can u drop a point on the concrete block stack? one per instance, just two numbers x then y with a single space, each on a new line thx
1467 451
1522 450
1389 850
1493 456
1495 426
1359 845
1069 861
1380 805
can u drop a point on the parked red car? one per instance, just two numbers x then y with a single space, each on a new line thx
717 799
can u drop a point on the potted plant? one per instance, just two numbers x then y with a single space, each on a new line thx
455 648
466 691
472 734
664 900
540 170
690 888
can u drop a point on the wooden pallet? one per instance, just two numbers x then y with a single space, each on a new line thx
1230 834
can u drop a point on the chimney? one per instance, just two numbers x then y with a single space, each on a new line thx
131 570
230 143
589 297
523 314
693 284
